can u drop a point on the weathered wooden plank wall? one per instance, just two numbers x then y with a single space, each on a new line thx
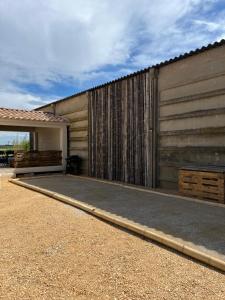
121 130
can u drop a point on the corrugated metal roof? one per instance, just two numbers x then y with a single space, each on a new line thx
27 115
161 64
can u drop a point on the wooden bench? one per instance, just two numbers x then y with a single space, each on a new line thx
28 159
203 182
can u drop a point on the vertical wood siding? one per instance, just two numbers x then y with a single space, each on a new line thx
121 130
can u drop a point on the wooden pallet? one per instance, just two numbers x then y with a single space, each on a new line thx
37 159
202 184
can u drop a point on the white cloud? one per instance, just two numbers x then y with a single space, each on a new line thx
45 42
21 100
211 26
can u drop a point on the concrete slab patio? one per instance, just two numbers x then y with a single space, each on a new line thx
196 228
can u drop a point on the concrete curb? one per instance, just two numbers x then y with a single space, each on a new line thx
130 225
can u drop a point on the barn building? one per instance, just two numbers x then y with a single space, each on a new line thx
142 128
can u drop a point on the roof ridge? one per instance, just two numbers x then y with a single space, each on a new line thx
30 115
166 62
161 64
24 110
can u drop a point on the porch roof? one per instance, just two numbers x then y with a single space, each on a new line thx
27 115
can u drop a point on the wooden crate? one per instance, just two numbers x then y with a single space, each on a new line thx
203 183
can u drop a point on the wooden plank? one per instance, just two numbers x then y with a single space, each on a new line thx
204 195
204 185
204 175
189 179
218 182
37 159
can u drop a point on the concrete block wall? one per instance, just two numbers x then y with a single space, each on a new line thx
191 114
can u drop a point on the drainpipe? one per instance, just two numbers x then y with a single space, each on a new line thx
31 138
35 141
68 141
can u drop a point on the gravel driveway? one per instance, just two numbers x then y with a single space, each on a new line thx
49 250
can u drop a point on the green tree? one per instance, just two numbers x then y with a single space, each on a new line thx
21 145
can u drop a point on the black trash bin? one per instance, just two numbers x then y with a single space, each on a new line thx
73 165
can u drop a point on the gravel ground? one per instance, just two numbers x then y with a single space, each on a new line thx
49 250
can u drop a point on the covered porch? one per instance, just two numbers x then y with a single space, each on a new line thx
47 150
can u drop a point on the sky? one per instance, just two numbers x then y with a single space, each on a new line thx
50 49
11 138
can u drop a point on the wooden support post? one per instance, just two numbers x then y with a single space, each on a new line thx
155 120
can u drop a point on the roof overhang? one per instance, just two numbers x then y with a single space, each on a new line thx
31 119
29 123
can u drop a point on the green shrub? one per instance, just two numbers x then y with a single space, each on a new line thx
22 145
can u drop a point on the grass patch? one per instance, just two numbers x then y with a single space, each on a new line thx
6 147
